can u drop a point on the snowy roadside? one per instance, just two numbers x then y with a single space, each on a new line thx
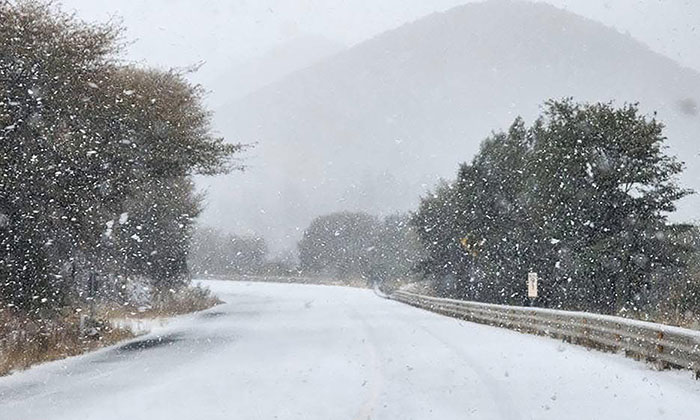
25 342
355 282
140 326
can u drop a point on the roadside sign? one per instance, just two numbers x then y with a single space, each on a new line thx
470 246
532 285
464 242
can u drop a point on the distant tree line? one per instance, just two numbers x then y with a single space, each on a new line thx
353 246
96 160
581 197
214 253
342 246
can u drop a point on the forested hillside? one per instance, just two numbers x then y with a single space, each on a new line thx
374 127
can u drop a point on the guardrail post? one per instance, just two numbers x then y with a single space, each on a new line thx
660 364
660 347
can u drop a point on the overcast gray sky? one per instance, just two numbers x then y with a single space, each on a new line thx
176 33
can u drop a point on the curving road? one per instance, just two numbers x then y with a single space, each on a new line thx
285 351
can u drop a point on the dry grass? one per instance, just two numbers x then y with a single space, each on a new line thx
25 342
183 301
166 304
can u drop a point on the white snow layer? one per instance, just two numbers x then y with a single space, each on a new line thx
290 351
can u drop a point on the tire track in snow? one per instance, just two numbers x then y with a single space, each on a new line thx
376 381
502 401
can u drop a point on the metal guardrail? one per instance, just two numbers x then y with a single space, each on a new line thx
665 345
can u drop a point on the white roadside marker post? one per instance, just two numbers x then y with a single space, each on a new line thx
532 288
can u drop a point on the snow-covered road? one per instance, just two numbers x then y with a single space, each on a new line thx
285 351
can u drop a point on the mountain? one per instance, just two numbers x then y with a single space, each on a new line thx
245 77
375 126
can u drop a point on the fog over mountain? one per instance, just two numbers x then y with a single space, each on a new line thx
245 77
375 126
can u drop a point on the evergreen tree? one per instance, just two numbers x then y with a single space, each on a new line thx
581 197
81 138
357 245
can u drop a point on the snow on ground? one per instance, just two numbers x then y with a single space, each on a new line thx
140 326
290 351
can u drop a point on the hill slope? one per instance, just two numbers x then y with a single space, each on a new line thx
244 78
375 126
